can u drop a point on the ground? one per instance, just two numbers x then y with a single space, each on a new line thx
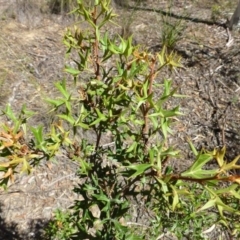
32 58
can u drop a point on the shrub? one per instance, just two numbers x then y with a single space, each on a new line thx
172 30
121 101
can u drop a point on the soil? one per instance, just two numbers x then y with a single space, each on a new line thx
32 58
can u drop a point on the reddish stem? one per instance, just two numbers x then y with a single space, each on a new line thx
146 106
96 46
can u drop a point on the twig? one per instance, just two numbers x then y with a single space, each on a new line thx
60 179
37 55
209 229
137 224
230 39
224 85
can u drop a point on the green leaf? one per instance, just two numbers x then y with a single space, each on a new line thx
61 86
38 134
223 207
113 48
98 120
165 127
218 202
175 197
26 168
209 204
72 71
101 115
82 125
202 159
172 113
68 118
164 186
196 171
101 197
231 165
85 167
129 49
194 150
123 45
140 169
229 190
220 154
132 147
9 113
55 102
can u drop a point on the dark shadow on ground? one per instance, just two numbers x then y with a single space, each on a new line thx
173 15
9 231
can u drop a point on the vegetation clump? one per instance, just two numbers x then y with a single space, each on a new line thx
128 162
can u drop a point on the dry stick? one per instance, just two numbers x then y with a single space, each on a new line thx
209 229
230 38
238 87
224 124
219 67
95 46
137 224
232 178
37 55
61 178
220 80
